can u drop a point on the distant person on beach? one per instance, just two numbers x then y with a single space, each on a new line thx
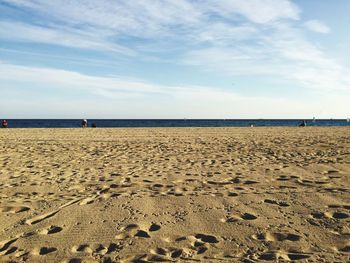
84 123
4 124
94 125
302 124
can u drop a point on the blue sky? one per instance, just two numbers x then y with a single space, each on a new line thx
174 59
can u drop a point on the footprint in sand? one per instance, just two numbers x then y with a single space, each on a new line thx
332 172
334 215
101 250
154 227
113 248
199 247
84 248
50 230
127 232
287 178
345 248
274 202
206 238
347 207
142 233
14 209
273 237
165 254
235 218
5 245
247 216
44 251
97 249
75 260
134 230
201 242
282 255
10 251
47 250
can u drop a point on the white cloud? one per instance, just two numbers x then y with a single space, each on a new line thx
124 97
259 11
16 31
230 37
217 33
57 78
137 18
139 14
282 52
317 26
112 20
160 26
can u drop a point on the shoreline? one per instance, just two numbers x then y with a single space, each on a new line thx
175 123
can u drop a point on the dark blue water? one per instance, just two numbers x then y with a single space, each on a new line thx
55 123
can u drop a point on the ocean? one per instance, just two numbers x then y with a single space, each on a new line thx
125 123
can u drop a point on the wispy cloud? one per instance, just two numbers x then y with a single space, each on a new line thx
103 24
317 26
64 79
68 37
279 50
227 37
128 97
141 15
257 11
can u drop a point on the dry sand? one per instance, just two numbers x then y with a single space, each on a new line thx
146 195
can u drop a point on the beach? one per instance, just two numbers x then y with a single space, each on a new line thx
175 194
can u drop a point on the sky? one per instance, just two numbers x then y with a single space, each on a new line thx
174 59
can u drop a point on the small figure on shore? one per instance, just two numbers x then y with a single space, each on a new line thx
84 123
94 125
4 124
302 124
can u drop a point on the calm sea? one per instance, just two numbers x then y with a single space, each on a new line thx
71 123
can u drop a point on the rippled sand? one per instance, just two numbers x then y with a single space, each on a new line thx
191 194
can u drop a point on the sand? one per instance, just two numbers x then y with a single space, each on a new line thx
191 194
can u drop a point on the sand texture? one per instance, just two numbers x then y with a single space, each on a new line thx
186 195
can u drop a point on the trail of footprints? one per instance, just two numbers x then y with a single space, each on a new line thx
283 255
199 243
7 247
238 217
134 230
95 249
152 168
273 237
188 248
